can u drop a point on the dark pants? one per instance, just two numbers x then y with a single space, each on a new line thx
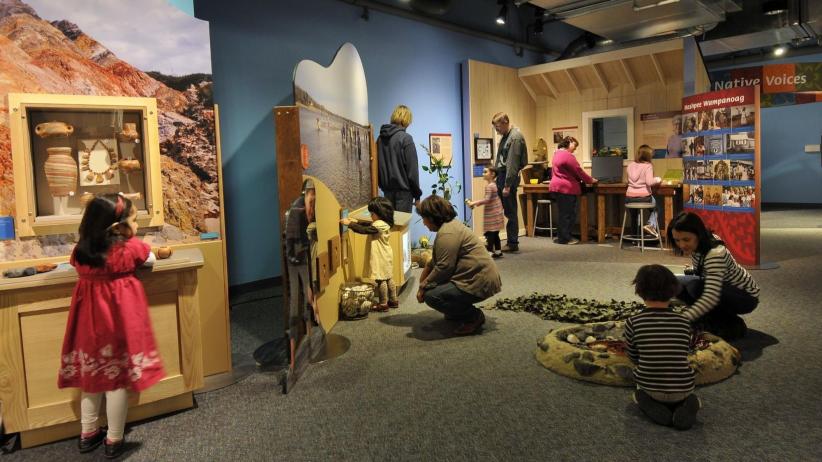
401 200
509 207
492 242
567 204
732 302
452 302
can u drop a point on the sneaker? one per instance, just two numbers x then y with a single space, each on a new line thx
115 449
497 254
651 230
685 414
380 308
573 242
511 248
394 304
471 327
656 411
89 444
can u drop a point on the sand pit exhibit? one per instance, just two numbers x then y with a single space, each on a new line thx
595 353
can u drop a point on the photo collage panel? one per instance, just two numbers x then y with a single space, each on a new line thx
718 148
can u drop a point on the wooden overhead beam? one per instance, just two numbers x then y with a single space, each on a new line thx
529 89
573 81
600 77
600 58
551 87
628 73
658 67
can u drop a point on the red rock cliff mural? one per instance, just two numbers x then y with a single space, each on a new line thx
41 56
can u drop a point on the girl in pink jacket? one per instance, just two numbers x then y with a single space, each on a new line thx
640 180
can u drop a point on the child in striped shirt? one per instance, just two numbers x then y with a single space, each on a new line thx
658 342
492 216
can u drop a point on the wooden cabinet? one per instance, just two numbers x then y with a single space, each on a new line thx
33 313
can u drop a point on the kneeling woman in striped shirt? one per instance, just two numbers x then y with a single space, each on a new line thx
721 289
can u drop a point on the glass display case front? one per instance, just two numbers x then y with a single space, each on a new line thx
67 149
77 154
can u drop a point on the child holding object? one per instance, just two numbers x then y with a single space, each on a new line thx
109 344
492 213
381 257
658 341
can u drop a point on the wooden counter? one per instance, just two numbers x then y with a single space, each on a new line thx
33 314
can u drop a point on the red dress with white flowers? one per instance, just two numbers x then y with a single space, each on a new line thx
109 343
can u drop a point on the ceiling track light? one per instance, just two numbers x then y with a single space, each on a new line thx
779 51
503 13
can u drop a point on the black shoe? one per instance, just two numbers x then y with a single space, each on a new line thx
497 254
511 248
91 443
685 414
114 450
655 410
471 327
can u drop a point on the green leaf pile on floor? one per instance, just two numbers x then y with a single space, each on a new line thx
569 309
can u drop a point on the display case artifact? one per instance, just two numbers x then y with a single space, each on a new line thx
68 148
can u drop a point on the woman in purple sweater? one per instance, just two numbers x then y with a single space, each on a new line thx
566 175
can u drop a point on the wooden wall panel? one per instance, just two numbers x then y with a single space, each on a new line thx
495 89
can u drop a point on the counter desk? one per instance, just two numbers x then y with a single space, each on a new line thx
33 314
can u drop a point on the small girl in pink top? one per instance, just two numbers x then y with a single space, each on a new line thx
493 216
640 180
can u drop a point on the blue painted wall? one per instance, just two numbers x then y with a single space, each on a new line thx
187 6
789 174
255 46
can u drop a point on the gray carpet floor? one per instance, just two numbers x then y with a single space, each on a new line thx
406 390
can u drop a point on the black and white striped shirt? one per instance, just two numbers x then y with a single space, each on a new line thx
658 341
717 267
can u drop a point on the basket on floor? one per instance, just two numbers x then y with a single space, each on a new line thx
356 300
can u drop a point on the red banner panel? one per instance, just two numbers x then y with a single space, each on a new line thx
735 231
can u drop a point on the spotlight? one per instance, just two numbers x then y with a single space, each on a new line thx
779 51
606 42
775 7
503 13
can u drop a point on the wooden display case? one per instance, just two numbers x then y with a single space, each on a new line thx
67 148
33 314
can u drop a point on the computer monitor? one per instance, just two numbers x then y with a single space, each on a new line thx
607 169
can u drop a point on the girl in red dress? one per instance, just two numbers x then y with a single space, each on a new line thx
109 344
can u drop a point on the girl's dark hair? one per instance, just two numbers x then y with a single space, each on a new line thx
492 170
382 208
566 142
97 230
437 209
691 223
656 283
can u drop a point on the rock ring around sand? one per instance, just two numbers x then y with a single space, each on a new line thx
600 357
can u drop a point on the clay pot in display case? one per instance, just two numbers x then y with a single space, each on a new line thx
54 128
129 132
128 165
61 171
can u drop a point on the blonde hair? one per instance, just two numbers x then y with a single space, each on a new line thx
644 154
401 116
500 117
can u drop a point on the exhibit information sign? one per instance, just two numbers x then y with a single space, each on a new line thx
721 164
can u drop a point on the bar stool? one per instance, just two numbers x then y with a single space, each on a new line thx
641 207
540 203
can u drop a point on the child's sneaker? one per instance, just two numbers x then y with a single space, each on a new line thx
380 308
114 449
651 230
90 443
685 414
497 254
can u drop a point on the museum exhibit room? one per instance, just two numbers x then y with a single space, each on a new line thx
410 230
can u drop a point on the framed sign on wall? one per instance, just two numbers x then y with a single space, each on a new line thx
483 150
